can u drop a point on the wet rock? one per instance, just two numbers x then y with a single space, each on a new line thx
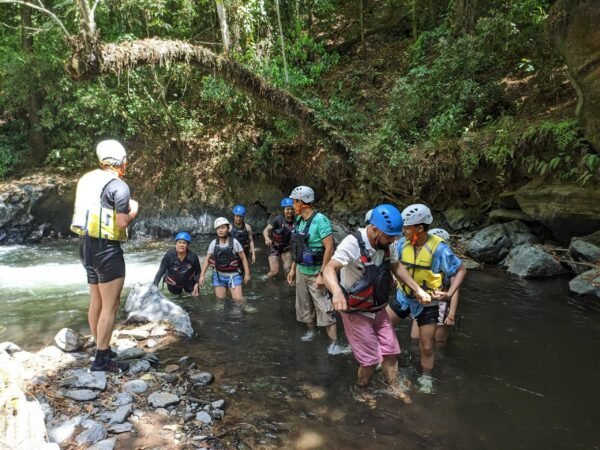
162 399
218 404
81 395
96 432
217 414
119 428
508 215
106 444
81 378
586 248
201 378
137 333
149 304
588 283
171 368
121 414
105 416
493 243
125 344
130 353
170 377
530 261
151 358
139 366
161 411
10 348
158 332
63 432
188 416
151 343
136 386
204 418
124 398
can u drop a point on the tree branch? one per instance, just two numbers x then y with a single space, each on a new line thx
41 8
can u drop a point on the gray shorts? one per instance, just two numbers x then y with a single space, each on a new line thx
312 305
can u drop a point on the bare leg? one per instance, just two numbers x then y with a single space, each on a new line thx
286 258
237 295
427 333
364 375
94 309
331 332
414 331
110 293
389 367
220 292
273 266
441 333
394 318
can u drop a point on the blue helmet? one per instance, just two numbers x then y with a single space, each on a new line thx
239 210
388 219
287 202
183 235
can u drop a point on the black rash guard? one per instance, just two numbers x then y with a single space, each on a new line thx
171 266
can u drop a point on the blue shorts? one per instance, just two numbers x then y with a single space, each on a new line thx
227 281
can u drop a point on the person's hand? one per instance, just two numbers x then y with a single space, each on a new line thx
422 296
253 260
291 278
246 278
195 291
201 281
449 320
268 242
339 301
133 206
319 283
440 295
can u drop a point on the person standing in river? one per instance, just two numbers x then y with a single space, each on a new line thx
429 260
242 232
103 211
312 247
180 267
362 293
277 236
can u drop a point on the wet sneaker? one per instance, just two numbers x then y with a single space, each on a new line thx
309 335
111 353
426 384
110 366
335 349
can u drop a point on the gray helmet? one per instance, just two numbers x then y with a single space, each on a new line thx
304 193
417 214
441 233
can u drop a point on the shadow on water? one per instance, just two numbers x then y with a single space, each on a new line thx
519 373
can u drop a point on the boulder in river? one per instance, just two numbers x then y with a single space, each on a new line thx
69 340
492 244
146 303
531 261
586 248
587 284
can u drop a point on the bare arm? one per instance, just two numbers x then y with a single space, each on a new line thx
246 266
455 283
331 283
204 268
327 254
123 220
252 252
402 275
266 233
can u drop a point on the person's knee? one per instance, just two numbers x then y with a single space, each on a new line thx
427 347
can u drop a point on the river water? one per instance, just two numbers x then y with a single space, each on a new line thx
520 372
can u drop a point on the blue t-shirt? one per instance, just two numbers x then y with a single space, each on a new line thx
444 261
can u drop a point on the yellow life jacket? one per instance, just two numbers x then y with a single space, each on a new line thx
90 218
419 265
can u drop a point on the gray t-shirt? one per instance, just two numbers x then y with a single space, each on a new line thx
116 195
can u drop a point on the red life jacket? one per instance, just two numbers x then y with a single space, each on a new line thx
225 259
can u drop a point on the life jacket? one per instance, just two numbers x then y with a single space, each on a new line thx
371 292
89 217
282 234
301 253
225 259
241 234
179 273
419 265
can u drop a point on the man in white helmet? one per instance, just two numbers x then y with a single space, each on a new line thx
428 260
103 210
312 247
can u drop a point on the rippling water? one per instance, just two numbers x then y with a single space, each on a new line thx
521 372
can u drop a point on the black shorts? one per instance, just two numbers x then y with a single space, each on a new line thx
278 251
402 313
177 290
428 316
103 260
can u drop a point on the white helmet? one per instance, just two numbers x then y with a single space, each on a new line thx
417 214
111 152
221 221
304 193
368 217
441 233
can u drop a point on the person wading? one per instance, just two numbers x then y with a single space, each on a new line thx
103 210
242 232
277 236
362 293
180 267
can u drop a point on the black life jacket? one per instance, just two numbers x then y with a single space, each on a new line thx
301 253
241 234
225 259
282 234
370 293
179 273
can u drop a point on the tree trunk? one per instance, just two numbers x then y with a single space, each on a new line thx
115 58
285 68
223 25
37 144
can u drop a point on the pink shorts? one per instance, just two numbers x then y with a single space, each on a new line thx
370 338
